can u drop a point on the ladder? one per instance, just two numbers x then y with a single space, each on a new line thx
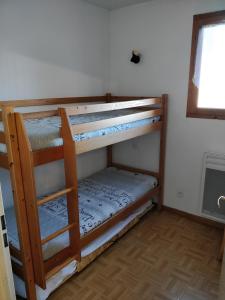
45 269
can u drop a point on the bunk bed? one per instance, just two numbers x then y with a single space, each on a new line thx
113 199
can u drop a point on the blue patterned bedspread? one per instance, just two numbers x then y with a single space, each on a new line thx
101 196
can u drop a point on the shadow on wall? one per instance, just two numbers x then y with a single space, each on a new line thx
24 77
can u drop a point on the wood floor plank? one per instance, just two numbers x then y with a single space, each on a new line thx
164 257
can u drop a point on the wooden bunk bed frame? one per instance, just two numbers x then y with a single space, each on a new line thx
20 160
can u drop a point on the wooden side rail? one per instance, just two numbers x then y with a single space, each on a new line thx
124 213
58 261
135 170
51 101
117 137
85 127
40 114
112 98
95 108
45 102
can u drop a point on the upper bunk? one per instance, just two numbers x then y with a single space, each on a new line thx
95 122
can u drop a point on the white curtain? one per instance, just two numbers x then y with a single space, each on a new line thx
198 59
209 74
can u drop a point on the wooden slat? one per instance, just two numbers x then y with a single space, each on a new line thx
129 98
40 114
102 141
0 115
53 196
47 155
27 168
15 252
4 163
60 266
135 170
124 213
51 101
19 203
57 261
91 126
57 233
18 270
2 137
94 108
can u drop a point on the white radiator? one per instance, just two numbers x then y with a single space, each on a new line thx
212 186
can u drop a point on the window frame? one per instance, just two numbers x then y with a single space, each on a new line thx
193 111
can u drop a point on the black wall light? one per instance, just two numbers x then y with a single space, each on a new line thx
136 57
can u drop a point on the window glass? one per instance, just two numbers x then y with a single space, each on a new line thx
209 74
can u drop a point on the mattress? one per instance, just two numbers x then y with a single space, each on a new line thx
44 133
101 196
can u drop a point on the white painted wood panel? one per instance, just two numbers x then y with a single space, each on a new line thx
7 290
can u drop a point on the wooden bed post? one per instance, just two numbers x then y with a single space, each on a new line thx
70 165
162 149
109 148
19 199
27 168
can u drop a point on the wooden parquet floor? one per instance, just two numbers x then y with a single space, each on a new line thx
164 257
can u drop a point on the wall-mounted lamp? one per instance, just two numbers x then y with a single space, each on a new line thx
136 57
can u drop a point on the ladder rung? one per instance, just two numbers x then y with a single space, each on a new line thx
57 233
53 196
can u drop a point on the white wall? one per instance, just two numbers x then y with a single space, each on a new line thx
54 48
162 30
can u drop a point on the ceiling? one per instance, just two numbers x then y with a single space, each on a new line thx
113 4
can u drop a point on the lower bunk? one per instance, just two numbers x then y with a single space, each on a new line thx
101 196
88 254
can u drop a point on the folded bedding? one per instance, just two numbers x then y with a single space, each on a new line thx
101 196
45 132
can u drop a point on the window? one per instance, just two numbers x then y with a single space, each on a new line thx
206 95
